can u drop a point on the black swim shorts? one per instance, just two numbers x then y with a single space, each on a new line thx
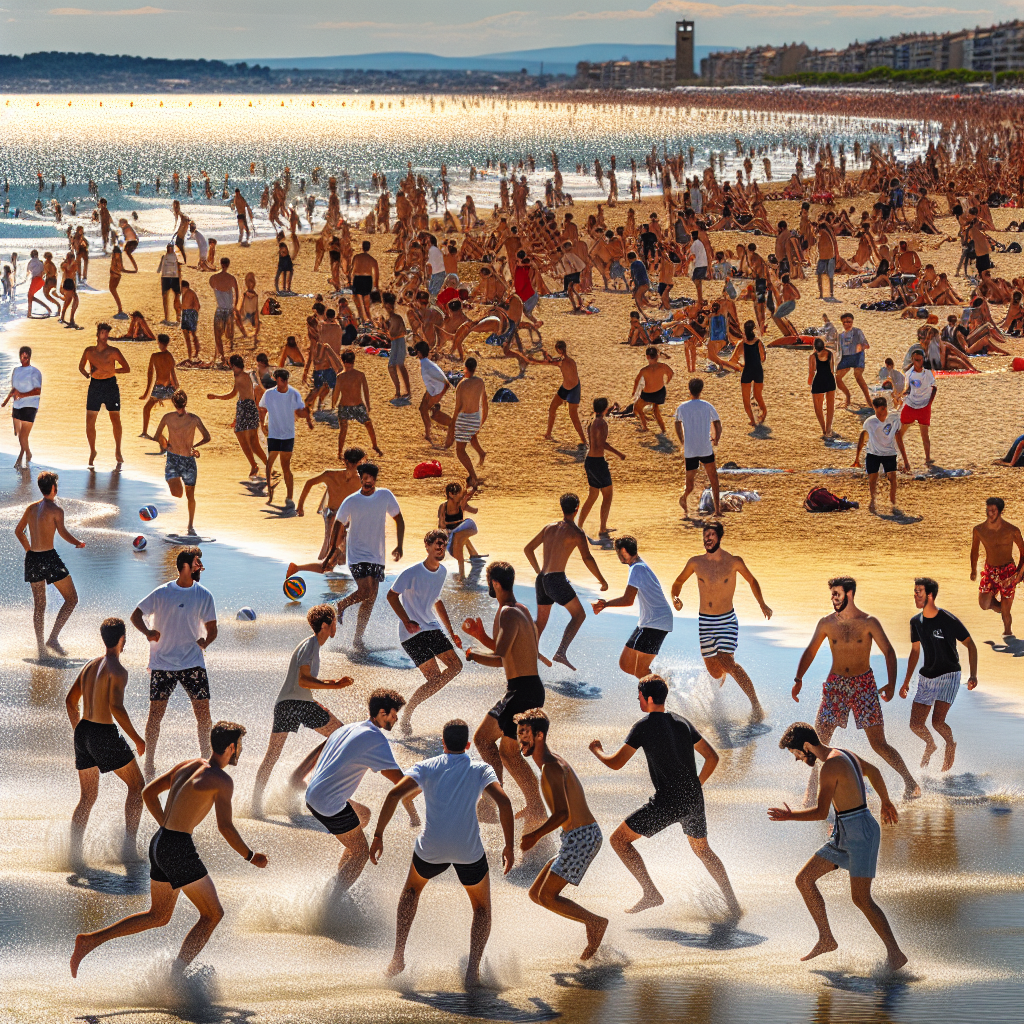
469 874
280 444
570 395
362 570
193 681
27 414
103 392
553 588
173 859
170 284
425 645
362 284
885 463
654 397
693 463
523 694
337 824
44 567
290 714
100 745
598 473
656 815
646 639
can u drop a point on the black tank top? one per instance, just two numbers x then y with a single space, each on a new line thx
453 518
824 378
752 355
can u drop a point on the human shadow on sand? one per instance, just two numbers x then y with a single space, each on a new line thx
483 1005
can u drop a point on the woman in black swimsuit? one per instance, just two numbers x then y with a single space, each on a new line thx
822 382
451 516
285 268
752 378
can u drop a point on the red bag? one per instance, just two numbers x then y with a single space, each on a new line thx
427 469
821 499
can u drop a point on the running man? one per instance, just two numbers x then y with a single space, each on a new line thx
360 525
699 429
852 346
104 363
193 788
338 766
855 837
568 393
560 539
451 784
340 483
581 835
717 571
161 380
653 381
655 623
42 519
514 648
353 401
883 437
99 747
295 705
599 477
415 597
469 416
937 631
184 623
1000 576
283 403
850 685
247 416
182 450
669 741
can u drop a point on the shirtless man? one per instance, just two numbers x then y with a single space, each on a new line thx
243 213
599 478
827 252
193 788
395 327
161 381
850 685
247 415
469 416
365 279
99 747
104 363
43 565
340 484
325 359
131 243
1000 576
568 394
560 539
190 307
581 834
225 291
655 376
855 837
354 401
181 448
514 647
718 627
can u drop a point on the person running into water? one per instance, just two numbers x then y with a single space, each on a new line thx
717 571
360 525
42 519
415 597
184 623
182 450
669 741
599 477
560 540
937 631
104 363
655 622
514 647
699 429
1000 576
338 766
452 784
850 685
193 789
581 835
469 416
855 837
99 747
295 705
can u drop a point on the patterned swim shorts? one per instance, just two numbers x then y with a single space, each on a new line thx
363 570
577 852
353 412
194 682
842 694
999 580
181 467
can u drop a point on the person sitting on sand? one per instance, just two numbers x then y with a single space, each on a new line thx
137 329
451 516
1015 456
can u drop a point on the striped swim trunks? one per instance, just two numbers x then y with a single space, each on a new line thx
942 688
467 425
719 634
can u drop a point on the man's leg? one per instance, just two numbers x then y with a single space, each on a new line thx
840 374
203 895
463 456
203 725
691 475
940 726
357 853
622 842
552 411
66 589
271 459
523 776
90 434
712 473
270 758
881 746
39 613
919 727
132 778
408 901
588 505
806 882
115 426
729 664
157 710
574 415
860 890
872 489
366 590
926 444
436 679
575 609
892 489
547 892
716 869
480 900
635 663
606 507
363 615
858 376
190 498
89 787
286 472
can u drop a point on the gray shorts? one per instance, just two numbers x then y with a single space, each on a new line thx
399 350
853 844
826 268
577 852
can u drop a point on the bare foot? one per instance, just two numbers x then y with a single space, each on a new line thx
270 493
871 506
647 901
822 946
563 660
897 959
929 749
756 713
147 436
290 570
396 966
595 933
947 763
54 646
472 979
912 792
84 945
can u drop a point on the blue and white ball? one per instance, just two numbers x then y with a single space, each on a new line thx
148 513
246 614
139 543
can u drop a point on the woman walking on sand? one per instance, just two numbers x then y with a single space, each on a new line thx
752 378
822 381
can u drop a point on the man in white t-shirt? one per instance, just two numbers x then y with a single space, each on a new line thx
699 430
917 401
338 766
882 433
360 523
700 264
34 267
451 785
283 403
170 282
437 385
26 386
183 623
415 597
655 622
435 261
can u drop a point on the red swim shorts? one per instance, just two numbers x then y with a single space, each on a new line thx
34 285
999 580
911 415
842 694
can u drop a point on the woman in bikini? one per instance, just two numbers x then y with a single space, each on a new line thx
451 516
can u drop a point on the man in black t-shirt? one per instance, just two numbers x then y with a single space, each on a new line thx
937 632
669 741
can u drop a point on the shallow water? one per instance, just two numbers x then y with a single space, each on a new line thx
290 949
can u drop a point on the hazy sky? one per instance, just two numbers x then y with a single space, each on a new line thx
251 29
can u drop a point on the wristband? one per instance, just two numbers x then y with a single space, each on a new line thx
252 853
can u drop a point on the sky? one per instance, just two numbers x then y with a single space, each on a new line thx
251 29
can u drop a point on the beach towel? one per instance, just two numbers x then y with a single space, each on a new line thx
504 395
427 469
821 499
730 501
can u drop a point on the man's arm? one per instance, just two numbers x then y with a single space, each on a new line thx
972 660
614 761
442 613
137 620
975 546
874 776
716 426
306 487
508 824
400 528
120 363
531 548
74 697
63 530
82 364
710 756
151 793
860 444
203 433
120 715
878 635
508 630
808 657
591 563
826 790
625 601
755 587
211 634
912 659
405 789
555 777
399 609
226 827
677 585
310 682
19 530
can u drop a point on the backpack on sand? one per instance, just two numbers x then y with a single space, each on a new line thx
821 499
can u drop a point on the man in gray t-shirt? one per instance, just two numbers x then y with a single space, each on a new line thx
852 346
295 705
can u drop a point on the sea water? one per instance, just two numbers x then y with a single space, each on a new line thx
293 949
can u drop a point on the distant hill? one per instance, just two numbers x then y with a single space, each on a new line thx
556 60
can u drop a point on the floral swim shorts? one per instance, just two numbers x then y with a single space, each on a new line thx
999 580
842 694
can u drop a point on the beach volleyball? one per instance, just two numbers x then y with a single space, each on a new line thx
246 614
148 513
139 543
294 587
